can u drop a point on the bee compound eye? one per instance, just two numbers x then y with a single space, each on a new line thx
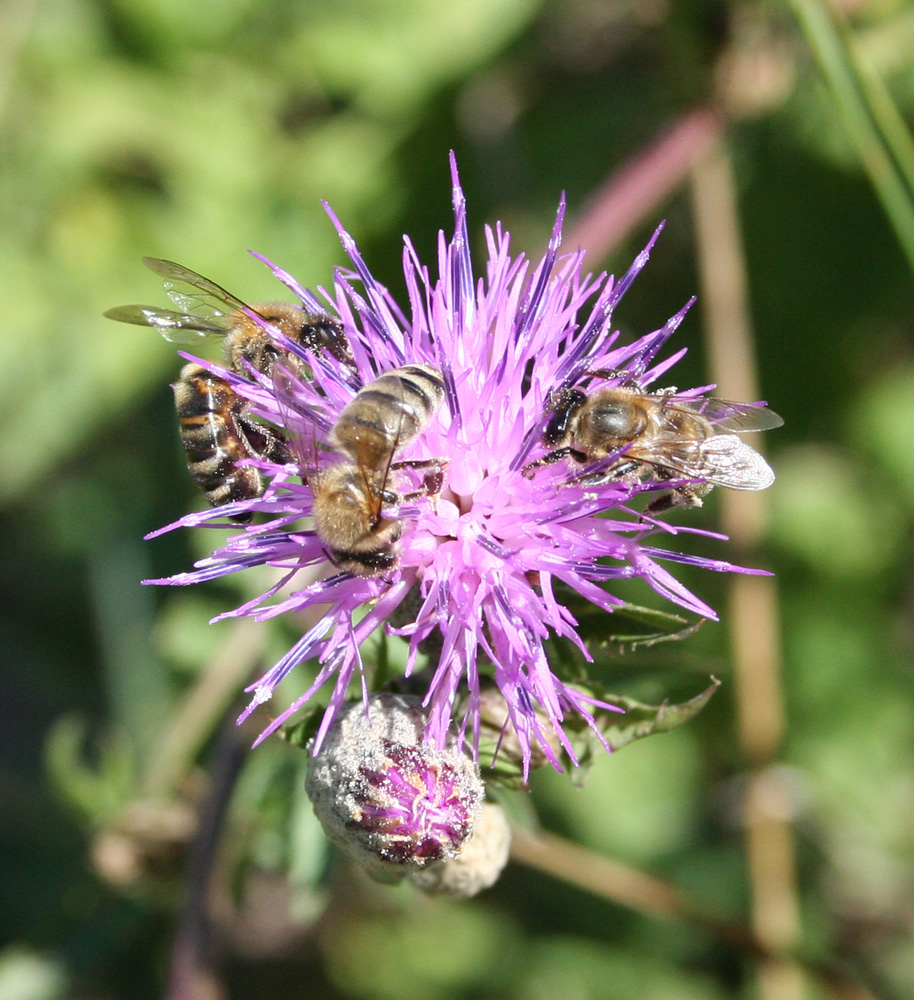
564 405
556 428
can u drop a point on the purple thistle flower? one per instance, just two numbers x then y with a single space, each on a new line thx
487 552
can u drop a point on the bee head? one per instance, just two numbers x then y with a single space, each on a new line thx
564 405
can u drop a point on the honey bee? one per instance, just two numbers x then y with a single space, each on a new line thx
660 435
384 417
216 427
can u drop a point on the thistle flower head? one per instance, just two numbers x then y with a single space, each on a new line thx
487 558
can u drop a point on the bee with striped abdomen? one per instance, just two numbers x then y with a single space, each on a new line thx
658 435
383 418
216 427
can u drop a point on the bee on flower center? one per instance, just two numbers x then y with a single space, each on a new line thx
382 419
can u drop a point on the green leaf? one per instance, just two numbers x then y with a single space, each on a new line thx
301 733
619 729
870 118
632 625
95 793
502 771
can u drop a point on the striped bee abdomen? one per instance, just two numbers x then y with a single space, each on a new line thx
389 412
214 438
383 417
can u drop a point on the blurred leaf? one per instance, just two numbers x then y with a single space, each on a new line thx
887 39
879 431
421 951
406 48
28 975
824 494
570 967
174 25
96 792
182 632
882 107
519 807
308 852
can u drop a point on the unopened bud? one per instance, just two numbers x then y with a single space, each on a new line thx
392 801
479 863
498 740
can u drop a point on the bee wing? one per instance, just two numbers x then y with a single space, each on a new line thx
178 327
728 415
375 488
724 460
735 463
376 476
376 479
303 424
298 429
192 292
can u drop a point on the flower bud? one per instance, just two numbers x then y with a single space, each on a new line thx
498 740
392 801
478 865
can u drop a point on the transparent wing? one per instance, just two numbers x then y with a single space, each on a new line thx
724 460
735 463
203 306
178 327
298 427
728 415
304 426
382 476
192 292
374 463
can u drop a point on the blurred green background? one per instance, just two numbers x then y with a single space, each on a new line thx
195 131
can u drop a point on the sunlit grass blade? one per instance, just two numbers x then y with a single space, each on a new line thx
875 131
888 119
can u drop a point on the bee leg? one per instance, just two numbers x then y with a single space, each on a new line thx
258 441
432 482
666 501
264 442
684 496
625 377
553 456
629 471
422 463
